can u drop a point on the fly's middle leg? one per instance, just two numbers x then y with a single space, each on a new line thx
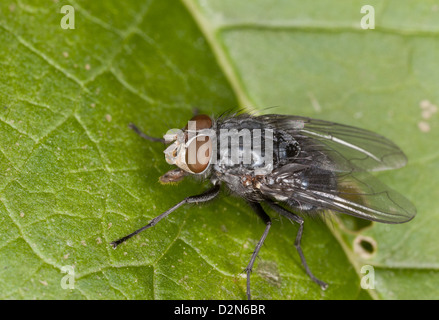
204 197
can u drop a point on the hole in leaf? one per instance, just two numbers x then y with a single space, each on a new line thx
364 246
367 246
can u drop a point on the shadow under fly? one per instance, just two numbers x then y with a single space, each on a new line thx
295 165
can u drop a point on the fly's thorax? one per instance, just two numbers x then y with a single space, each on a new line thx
253 149
244 144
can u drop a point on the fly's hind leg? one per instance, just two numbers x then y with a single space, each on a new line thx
261 213
300 221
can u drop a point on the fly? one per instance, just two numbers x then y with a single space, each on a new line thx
296 166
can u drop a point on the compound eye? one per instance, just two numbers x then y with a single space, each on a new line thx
198 154
202 121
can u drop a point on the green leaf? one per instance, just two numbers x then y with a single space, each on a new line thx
315 60
74 177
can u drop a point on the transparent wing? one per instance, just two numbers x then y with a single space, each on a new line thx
356 193
338 147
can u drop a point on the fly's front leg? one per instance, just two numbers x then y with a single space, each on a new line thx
264 216
173 176
145 136
300 221
206 196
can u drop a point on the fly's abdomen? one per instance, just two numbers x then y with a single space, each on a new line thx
314 180
294 181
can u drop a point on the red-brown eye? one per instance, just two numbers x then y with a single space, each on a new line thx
202 121
198 154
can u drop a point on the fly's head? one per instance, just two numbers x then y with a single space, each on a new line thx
191 148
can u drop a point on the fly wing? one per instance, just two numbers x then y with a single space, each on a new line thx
338 147
356 193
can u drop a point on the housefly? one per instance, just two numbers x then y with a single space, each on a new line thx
295 166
